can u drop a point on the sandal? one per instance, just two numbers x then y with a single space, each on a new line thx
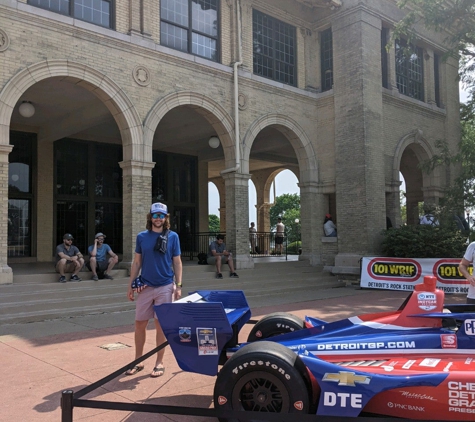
134 370
158 371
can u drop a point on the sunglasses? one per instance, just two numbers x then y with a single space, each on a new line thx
159 215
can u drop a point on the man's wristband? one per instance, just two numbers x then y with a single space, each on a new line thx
179 285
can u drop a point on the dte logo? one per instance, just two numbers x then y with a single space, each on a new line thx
342 399
469 326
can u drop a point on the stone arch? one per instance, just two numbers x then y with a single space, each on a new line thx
308 167
113 97
411 150
216 115
420 146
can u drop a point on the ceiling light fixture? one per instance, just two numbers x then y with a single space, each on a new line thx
214 142
26 109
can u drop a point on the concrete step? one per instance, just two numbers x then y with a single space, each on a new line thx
267 284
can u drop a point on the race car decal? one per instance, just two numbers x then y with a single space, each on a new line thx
262 363
184 333
426 301
222 400
342 400
349 379
430 363
448 341
469 326
298 405
408 364
417 396
461 397
367 346
402 406
207 341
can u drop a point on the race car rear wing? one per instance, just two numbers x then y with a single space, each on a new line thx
199 327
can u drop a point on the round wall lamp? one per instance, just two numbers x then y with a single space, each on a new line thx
26 109
214 142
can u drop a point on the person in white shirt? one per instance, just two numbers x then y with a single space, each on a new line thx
329 226
467 272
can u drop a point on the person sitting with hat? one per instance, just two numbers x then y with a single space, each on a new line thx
68 259
98 262
329 226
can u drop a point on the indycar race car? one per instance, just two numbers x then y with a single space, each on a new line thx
417 362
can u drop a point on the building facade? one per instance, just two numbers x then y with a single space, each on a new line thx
108 105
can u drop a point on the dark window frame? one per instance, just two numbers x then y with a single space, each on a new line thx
269 55
384 58
326 59
437 79
190 31
112 20
407 67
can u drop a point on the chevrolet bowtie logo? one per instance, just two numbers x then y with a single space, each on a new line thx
347 378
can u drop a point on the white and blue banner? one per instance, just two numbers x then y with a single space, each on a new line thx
404 273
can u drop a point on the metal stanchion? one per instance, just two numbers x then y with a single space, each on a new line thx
67 406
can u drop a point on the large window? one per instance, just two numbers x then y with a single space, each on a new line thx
98 12
88 182
409 70
326 53
191 26
274 48
21 193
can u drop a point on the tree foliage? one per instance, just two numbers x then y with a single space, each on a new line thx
453 18
213 223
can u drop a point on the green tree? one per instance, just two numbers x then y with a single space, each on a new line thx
287 207
213 223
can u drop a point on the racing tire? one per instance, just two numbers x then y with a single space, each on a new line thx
275 324
264 377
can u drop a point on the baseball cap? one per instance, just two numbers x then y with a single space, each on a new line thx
99 235
220 236
328 216
158 207
68 236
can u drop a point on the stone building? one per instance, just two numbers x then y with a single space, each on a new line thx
108 105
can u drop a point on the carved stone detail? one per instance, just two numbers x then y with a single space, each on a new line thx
4 40
141 75
242 101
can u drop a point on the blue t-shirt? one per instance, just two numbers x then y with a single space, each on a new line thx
101 254
157 269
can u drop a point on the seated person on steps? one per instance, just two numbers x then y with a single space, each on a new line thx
98 263
219 255
68 259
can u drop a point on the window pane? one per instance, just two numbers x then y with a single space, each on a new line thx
94 11
71 168
204 46
173 37
72 218
409 70
108 220
19 169
205 16
108 178
326 52
175 11
60 6
273 48
19 238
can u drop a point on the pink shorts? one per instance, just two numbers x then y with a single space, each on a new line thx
149 297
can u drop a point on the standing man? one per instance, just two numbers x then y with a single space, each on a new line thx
279 237
467 260
157 250
68 259
98 262
253 238
218 255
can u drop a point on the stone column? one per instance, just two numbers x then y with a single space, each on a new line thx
429 81
312 207
135 20
359 146
392 65
393 203
137 198
147 14
237 218
6 274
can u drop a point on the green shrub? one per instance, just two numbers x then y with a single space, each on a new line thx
423 241
293 248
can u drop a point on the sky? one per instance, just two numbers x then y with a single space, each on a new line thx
285 182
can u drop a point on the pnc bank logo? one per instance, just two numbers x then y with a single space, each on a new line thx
469 326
